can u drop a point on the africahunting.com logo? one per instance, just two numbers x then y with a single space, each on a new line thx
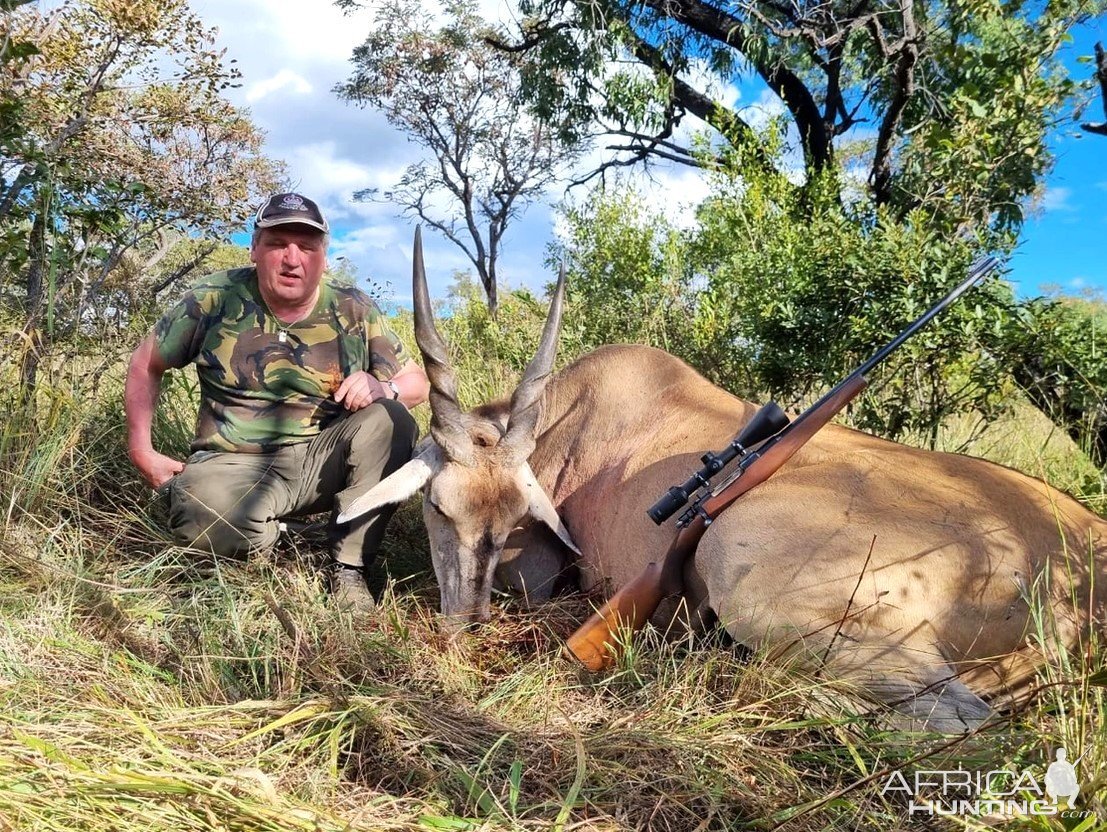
1001 792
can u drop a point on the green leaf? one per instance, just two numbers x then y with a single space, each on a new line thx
1099 679
48 750
515 778
19 50
1086 825
448 822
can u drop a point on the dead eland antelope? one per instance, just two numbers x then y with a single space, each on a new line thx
523 493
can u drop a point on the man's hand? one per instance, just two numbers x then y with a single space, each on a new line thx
157 469
360 390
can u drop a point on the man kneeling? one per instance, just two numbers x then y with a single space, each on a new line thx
304 400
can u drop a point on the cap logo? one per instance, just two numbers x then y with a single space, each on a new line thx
291 202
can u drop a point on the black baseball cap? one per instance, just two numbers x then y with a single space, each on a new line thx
289 209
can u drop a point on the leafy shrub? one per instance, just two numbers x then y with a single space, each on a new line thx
1057 350
488 354
628 276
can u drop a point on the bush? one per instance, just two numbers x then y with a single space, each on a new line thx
1057 349
773 297
628 276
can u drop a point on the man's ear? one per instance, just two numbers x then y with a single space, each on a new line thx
541 507
397 486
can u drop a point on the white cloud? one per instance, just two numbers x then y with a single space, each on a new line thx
763 111
283 34
1057 199
380 257
674 193
331 178
497 11
291 55
364 241
283 80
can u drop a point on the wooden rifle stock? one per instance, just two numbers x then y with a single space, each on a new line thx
595 643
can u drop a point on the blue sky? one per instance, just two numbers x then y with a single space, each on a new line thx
1064 243
292 54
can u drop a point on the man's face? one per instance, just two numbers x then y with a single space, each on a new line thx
290 260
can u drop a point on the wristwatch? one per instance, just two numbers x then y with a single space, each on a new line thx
391 385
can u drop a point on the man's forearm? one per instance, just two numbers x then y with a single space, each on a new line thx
140 399
412 384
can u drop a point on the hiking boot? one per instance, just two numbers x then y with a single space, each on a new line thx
348 588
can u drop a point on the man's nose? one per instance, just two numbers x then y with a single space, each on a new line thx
292 255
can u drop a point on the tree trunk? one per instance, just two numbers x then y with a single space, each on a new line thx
493 299
34 342
488 281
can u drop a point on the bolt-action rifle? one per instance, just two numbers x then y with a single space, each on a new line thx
761 448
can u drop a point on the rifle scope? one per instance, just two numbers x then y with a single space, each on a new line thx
765 422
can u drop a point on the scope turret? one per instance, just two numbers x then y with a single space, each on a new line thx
768 420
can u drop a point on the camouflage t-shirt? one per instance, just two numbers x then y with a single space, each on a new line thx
264 383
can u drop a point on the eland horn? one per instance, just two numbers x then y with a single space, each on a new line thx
525 401
447 420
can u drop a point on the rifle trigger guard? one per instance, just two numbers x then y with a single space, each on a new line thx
685 519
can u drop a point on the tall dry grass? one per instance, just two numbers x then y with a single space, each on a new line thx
144 690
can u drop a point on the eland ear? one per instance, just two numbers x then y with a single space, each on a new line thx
541 507
397 486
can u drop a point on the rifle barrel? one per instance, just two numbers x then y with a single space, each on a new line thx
979 269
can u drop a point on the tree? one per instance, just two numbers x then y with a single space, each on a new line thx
942 106
137 291
1101 77
458 98
776 294
126 145
14 53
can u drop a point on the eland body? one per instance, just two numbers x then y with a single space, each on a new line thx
924 578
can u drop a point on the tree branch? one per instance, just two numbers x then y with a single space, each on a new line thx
535 34
184 268
880 176
1101 74
792 91
726 121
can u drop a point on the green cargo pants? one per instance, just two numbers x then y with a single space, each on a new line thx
231 503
